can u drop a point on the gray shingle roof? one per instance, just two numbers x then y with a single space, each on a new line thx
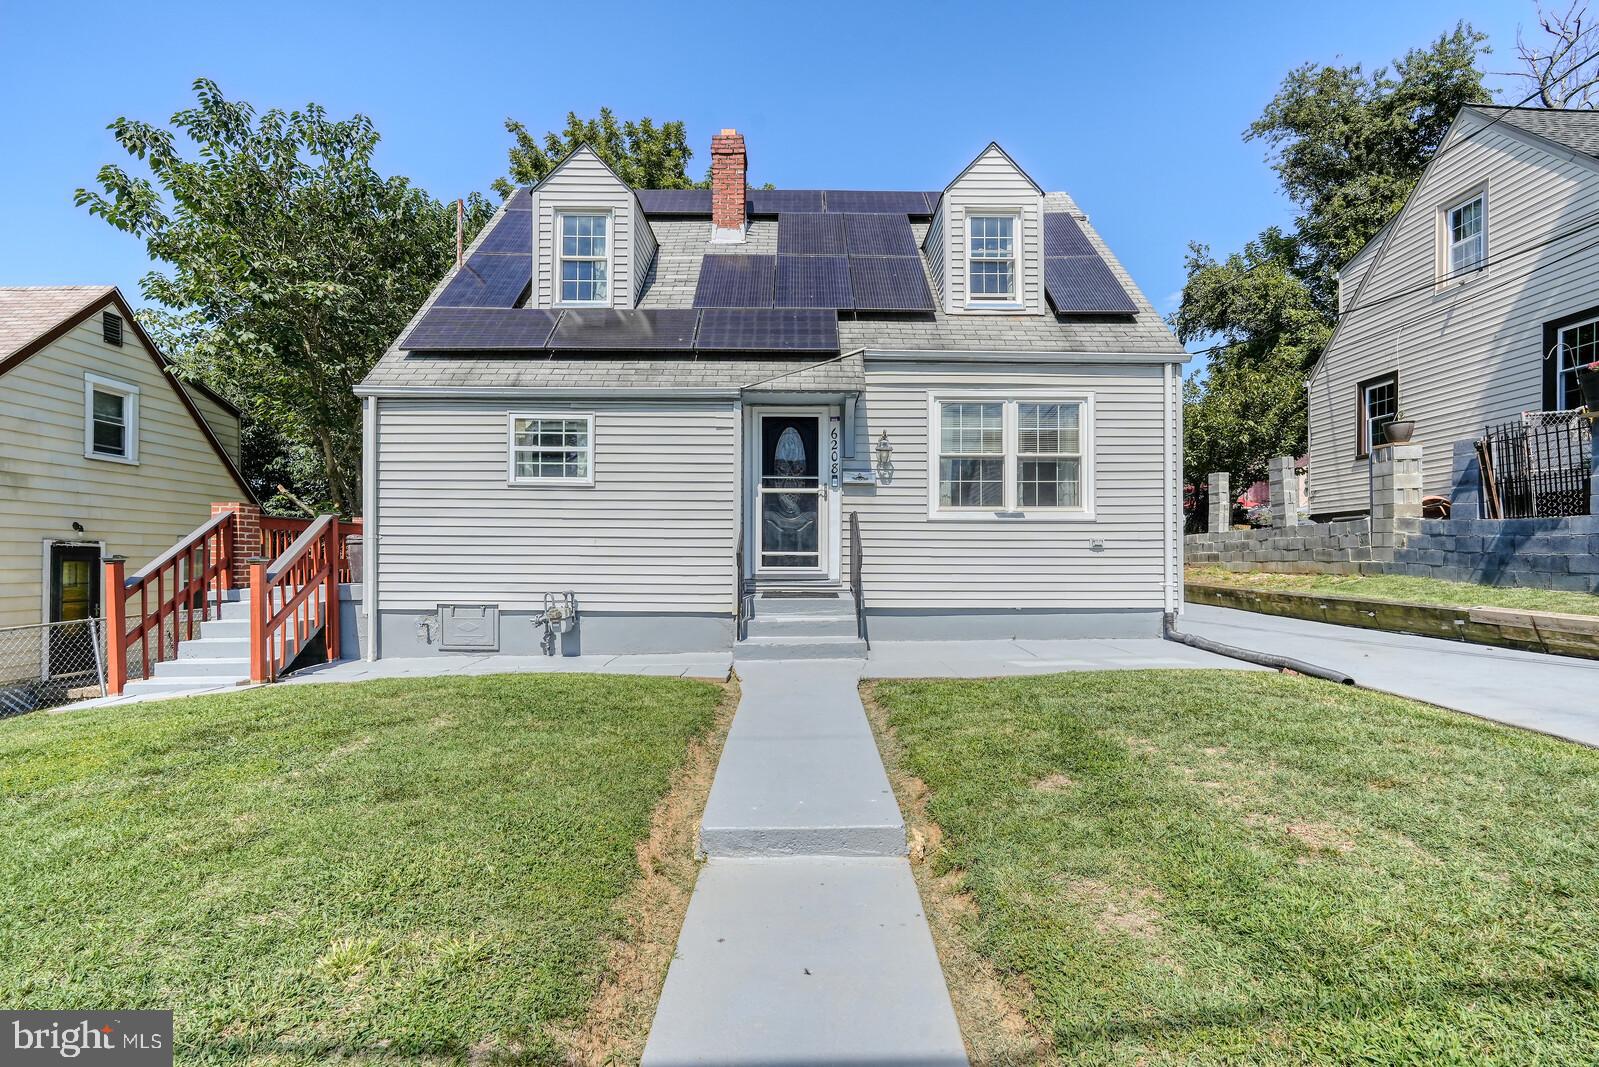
27 312
683 245
1577 130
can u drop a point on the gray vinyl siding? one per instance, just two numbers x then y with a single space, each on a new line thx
655 532
644 249
992 181
933 246
584 181
1467 353
913 561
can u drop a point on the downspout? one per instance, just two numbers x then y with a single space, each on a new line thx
1262 659
1168 490
369 523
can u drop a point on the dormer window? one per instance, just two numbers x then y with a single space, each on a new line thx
992 258
583 260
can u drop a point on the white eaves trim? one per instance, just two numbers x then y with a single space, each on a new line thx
890 355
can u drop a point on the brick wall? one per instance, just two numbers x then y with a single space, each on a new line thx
247 539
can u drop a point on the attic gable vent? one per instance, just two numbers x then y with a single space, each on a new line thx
111 328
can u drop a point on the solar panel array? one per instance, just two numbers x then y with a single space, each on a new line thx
697 202
735 280
719 330
813 282
860 261
1076 279
501 270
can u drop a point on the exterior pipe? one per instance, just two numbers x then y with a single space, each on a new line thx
1260 659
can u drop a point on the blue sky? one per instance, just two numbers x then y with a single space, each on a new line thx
1136 110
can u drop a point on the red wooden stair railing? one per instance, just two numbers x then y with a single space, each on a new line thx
294 596
278 533
176 591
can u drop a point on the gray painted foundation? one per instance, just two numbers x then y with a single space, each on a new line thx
989 624
403 633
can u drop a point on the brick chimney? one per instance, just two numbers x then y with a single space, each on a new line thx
728 183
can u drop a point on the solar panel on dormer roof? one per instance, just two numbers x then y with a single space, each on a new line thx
488 281
778 201
1063 237
889 283
813 282
810 233
874 200
878 235
521 200
512 233
735 280
604 329
767 330
1084 285
675 201
480 330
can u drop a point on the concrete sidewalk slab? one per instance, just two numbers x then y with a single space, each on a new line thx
800 773
993 659
805 961
1551 694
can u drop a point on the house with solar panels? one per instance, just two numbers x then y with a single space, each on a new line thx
785 421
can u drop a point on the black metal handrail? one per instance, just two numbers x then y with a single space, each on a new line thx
855 587
744 591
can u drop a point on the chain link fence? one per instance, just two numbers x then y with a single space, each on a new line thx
51 664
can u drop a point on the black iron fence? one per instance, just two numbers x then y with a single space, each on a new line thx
1538 465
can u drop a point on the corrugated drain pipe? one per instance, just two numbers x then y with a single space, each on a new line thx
1262 659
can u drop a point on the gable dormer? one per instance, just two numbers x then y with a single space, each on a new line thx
986 241
592 246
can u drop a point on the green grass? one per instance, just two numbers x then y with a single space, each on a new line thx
1216 867
407 870
1403 587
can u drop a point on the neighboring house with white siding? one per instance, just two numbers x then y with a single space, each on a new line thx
1474 304
672 403
102 450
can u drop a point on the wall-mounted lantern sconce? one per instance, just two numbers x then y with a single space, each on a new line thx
885 453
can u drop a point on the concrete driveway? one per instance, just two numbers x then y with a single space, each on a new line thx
1554 694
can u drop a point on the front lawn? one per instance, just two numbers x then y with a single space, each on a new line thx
410 869
1225 867
1402 587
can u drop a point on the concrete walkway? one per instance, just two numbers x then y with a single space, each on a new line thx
805 940
1552 694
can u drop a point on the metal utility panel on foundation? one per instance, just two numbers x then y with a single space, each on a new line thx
469 627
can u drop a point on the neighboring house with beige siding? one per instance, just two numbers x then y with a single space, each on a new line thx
677 404
102 450
1474 304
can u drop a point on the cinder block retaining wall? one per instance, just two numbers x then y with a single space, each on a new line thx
1531 553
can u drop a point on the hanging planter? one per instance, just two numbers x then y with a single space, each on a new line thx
1588 380
1398 432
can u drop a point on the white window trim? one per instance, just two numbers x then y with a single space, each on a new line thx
510 448
1009 398
130 418
1447 275
1564 402
610 257
1018 259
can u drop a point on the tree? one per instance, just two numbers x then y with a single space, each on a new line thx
1250 403
1348 147
1559 68
290 265
644 155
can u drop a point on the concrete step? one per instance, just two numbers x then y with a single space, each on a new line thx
225 628
800 774
805 961
234 669
213 647
780 648
796 626
836 603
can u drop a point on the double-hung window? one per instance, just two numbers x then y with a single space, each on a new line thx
110 419
991 259
583 258
1379 405
1466 235
552 448
1578 346
1004 455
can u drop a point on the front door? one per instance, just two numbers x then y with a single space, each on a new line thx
791 505
74 598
